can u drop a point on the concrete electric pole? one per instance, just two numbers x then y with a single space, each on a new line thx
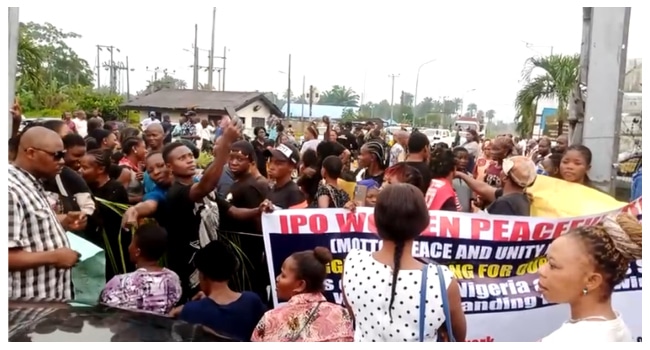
392 95
211 61
604 60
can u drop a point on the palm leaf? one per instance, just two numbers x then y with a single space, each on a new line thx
241 280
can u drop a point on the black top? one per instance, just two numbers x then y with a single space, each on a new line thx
248 193
167 129
183 231
72 183
425 171
286 196
348 140
108 221
260 159
516 204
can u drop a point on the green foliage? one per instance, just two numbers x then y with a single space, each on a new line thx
549 77
53 79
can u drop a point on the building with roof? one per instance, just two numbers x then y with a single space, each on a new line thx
299 110
253 107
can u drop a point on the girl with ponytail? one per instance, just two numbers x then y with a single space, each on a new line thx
382 289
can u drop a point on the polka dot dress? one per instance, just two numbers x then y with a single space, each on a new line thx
367 284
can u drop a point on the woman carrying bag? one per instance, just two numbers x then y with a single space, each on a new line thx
392 295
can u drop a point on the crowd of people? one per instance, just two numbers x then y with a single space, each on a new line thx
179 248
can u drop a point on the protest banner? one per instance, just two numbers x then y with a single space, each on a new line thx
495 259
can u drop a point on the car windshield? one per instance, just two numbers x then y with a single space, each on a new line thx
431 132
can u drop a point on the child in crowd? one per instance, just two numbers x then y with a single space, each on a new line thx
150 287
228 313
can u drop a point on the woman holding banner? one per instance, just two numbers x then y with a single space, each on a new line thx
583 268
393 296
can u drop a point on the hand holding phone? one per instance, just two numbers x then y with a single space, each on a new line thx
360 193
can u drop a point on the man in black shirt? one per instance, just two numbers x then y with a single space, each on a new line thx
347 139
195 207
285 193
419 152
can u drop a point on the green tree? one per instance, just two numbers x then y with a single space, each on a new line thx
339 95
424 107
59 62
489 115
29 75
559 74
471 109
164 83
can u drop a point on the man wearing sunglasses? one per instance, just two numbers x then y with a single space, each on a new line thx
40 257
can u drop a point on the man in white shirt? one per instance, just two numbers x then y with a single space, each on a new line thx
151 120
80 123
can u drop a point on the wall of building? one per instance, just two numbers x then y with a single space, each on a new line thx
255 114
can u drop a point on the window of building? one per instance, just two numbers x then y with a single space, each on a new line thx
256 121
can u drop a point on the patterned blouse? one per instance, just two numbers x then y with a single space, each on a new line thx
287 323
143 290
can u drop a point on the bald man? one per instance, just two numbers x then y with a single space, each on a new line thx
154 136
398 151
40 257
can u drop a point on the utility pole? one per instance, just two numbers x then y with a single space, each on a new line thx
302 104
392 95
211 61
311 98
14 37
223 70
288 87
195 83
112 78
99 84
604 94
119 66
154 79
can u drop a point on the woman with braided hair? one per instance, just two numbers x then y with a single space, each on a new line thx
583 268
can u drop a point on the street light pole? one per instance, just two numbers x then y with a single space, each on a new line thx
289 89
417 82
392 95
462 100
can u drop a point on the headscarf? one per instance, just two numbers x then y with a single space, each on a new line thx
369 183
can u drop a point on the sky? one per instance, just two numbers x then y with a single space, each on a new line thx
479 50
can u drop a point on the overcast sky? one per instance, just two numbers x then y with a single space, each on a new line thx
352 43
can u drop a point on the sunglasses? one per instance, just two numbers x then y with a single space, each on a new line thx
58 155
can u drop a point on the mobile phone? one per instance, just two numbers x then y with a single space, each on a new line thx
233 118
360 193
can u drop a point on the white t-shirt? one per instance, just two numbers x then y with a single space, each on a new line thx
591 332
311 144
367 285
82 126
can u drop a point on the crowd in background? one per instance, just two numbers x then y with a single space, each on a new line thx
66 175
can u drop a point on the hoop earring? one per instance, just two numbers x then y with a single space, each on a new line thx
584 291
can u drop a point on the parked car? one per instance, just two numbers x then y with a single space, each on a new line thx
29 121
38 321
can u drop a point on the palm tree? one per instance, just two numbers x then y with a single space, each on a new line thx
559 75
339 96
30 64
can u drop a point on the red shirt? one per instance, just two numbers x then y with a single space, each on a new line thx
439 192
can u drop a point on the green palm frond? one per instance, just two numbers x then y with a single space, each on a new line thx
241 280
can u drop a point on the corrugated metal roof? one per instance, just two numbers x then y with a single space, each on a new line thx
317 111
186 99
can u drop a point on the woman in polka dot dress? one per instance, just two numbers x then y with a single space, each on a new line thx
382 289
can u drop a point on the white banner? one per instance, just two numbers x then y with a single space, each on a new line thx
495 259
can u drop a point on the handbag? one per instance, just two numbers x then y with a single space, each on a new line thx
423 302
312 313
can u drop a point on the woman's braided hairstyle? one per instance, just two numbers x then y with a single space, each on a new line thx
612 244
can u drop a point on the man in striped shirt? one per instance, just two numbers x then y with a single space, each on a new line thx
40 257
